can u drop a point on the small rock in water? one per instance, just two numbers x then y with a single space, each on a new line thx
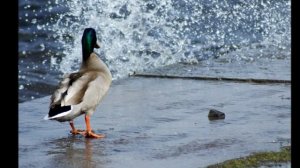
215 115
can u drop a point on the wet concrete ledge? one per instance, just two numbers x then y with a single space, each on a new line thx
155 122
247 80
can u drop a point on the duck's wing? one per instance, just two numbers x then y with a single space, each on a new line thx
77 90
71 91
62 89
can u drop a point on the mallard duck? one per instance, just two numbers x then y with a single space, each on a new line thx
80 92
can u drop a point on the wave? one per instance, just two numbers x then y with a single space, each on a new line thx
137 35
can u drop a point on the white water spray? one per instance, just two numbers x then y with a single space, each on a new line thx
141 34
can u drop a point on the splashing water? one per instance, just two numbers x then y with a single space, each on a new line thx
137 35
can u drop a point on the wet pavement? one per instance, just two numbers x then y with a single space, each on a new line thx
152 122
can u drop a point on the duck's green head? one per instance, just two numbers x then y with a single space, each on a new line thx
89 42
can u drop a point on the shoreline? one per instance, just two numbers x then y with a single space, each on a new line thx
259 159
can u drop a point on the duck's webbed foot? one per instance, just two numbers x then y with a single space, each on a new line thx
91 134
77 131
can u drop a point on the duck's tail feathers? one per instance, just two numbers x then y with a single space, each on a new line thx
58 111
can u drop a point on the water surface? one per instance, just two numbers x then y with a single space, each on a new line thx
144 35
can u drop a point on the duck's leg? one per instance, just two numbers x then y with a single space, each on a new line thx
89 133
75 131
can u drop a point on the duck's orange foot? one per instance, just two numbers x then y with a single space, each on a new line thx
93 135
77 131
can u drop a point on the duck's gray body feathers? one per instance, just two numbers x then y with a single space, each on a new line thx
82 91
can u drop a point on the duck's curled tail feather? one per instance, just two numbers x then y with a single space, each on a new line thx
58 111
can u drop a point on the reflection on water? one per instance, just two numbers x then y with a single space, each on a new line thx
75 151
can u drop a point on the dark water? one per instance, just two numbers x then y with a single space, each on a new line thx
148 34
